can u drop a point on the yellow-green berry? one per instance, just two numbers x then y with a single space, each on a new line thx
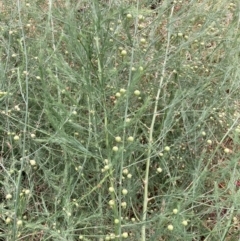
118 139
124 204
167 148
27 192
9 196
209 142
175 211
112 236
130 139
123 52
140 26
124 191
170 227
185 222
226 150
106 167
125 235
159 169
116 221
8 220
111 189
16 138
107 238
122 91
137 92
115 148
32 162
143 40
16 107
19 223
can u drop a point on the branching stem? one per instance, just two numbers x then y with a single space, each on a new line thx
145 201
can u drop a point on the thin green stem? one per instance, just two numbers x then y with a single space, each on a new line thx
25 98
145 200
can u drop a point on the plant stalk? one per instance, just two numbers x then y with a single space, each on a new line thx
145 198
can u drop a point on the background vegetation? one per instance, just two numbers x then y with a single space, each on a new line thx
119 120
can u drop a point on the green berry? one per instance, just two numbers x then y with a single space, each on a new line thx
124 191
8 220
9 196
170 227
118 139
143 40
111 189
175 211
16 138
111 203
209 142
226 150
32 162
167 148
19 223
137 92
115 148
122 91
185 222
125 235
123 52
